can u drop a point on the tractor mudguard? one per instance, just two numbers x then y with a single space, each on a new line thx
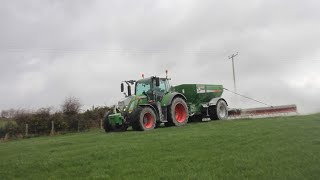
167 99
213 102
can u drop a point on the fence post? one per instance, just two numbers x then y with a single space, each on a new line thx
52 128
27 128
101 124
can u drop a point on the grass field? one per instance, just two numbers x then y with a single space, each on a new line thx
270 148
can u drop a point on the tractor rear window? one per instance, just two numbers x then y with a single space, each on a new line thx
162 86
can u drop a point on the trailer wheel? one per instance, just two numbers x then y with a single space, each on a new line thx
219 111
109 128
145 119
178 113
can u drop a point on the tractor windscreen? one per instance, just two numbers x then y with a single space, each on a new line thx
142 87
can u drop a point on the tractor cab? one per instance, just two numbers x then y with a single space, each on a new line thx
149 87
154 88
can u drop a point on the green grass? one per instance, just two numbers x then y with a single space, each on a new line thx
270 148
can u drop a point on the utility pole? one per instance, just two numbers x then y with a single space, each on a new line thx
234 75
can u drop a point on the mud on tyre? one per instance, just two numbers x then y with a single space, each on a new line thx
145 119
178 113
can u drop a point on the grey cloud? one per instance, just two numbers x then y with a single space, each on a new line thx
53 49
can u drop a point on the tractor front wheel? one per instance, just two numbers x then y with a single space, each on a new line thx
178 113
108 127
106 124
145 119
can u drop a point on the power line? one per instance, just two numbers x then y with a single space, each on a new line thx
247 97
102 50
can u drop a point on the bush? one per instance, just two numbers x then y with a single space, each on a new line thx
22 118
40 121
10 128
2 132
72 122
94 115
60 124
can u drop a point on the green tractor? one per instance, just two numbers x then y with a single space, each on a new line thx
155 102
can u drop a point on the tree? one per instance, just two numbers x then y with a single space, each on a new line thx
4 114
10 113
71 106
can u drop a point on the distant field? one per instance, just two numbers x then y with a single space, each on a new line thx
269 148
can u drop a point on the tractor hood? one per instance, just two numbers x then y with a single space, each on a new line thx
129 103
123 103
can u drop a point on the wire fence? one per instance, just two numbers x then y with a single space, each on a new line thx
10 129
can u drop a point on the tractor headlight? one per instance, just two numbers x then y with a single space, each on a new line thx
121 105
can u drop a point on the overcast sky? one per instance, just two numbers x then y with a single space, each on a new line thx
50 50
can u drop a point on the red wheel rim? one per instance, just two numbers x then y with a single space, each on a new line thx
180 113
148 120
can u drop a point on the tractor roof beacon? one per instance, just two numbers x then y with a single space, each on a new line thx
155 102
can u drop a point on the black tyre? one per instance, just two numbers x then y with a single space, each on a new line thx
106 124
158 125
195 118
144 120
219 111
168 124
178 113
109 128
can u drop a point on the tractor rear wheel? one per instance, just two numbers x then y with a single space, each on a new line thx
178 113
219 111
145 119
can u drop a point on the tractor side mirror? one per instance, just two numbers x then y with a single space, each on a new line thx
157 82
122 87
129 90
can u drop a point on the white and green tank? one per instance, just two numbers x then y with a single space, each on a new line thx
199 95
